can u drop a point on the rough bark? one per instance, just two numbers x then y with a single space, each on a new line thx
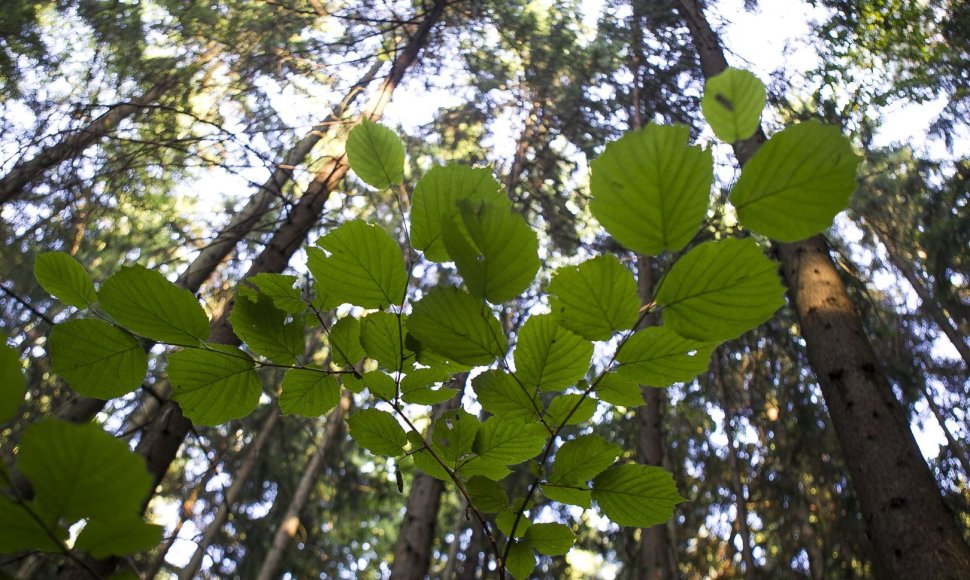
412 552
913 533
31 171
291 519
230 496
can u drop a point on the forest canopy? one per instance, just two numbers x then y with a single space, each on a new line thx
468 289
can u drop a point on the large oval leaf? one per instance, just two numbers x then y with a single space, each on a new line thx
214 386
435 203
596 298
97 359
144 302
65 279
375 154
365 266
732 104
651 189
455 325
719 290
636 495
495 250
658 357
549 357
797 182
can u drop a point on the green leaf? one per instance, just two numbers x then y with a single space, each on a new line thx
21 531
365 266
425 461
493 469
487 495
561 410
378 432
376 154
732 104
308 393
719 290
435 203
427 395
144 302
345 347
505 520
418 386
618 390
495 250
551 539
501 442
583 458
265 330
549 357
651 189
382 335
103 539
79 471
454 434
596 298
456 325
97 359
521 560
214 386
576 494
380 385
658 357
509 441
353 384
501 395
797 182
13 386
279 287
65 278
636 495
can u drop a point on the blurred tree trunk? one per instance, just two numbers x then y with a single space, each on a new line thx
412 552
291 519
912 530
239 480
928 304
31 171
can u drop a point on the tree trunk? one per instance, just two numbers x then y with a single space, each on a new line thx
31 171
412 553
928 304
912 530
243 221
959 450
654 559
291 519
230 496
740 498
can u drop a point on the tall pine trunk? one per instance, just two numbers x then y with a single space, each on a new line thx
412 552
31 171
231 495
912 530
290 523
